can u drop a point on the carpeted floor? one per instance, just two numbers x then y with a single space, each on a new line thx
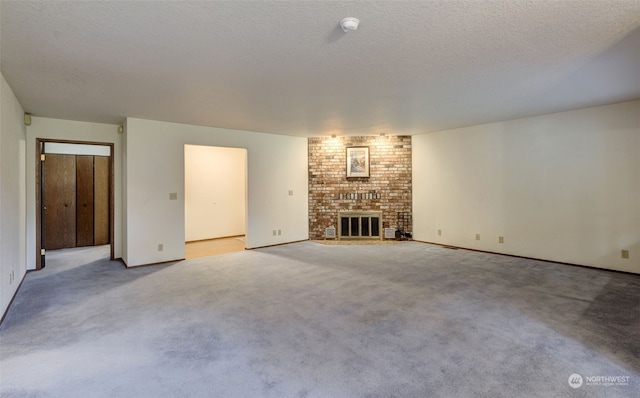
313 320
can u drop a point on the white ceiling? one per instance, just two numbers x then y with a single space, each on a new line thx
286 67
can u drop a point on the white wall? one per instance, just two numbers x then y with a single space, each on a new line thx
562 187
12 195
215 192
77 131
155 168
76 149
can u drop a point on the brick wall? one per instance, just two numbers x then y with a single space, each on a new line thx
388 189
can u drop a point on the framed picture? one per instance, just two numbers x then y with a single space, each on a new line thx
358 161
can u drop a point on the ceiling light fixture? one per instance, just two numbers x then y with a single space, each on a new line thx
349 24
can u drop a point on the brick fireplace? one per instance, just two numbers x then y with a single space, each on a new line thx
387 190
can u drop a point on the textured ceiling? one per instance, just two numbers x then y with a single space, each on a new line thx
286 67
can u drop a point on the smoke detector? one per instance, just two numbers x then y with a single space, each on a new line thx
349 24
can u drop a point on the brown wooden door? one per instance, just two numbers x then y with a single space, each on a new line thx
101 198
60 201
84 200
77 201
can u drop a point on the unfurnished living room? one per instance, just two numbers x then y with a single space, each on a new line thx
320 198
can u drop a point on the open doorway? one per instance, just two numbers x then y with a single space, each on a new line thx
74 195
215 200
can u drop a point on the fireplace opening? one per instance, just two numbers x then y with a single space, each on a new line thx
360 225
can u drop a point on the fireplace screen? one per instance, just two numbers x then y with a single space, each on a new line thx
360 225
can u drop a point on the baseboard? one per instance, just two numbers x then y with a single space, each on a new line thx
526 258
277 244
151 264
6 311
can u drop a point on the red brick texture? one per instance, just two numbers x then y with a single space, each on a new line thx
388 189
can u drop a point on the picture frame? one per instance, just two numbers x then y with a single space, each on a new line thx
357 161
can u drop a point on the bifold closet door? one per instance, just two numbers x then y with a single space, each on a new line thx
77 201
60 201
84 200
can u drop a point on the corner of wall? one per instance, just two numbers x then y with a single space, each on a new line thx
12 195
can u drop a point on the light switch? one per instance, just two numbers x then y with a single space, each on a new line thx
173 196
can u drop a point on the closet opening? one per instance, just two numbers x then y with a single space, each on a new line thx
74 196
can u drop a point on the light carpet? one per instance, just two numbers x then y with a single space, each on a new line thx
312 320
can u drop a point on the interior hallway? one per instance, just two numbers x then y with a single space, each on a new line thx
213 247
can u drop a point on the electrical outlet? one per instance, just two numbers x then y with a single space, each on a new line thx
439 232
160 247
279 232
624 253
274 232
500 239
291 192
173 196
477 236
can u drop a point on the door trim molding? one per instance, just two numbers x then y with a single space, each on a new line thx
39 145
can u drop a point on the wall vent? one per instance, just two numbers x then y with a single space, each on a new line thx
330 233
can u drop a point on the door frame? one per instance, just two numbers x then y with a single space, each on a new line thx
39 222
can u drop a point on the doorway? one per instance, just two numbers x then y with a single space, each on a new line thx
215 200
74 195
